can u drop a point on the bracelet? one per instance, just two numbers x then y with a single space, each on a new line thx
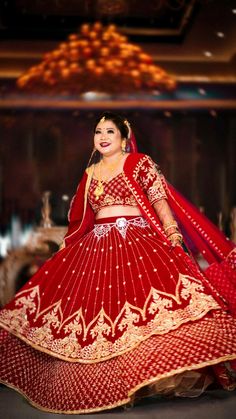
170 223
173 232
176 240
170 226
177 235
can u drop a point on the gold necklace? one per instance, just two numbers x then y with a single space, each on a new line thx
99 190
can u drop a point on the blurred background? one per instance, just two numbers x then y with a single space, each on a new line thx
168 66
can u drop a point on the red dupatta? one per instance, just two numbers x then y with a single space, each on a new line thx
210 243
80 215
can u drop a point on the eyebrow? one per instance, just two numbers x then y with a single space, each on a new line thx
106 128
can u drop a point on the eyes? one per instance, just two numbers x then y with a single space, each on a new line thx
109 131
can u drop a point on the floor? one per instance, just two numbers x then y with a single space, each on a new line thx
214 404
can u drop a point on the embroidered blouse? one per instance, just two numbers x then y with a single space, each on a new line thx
116 191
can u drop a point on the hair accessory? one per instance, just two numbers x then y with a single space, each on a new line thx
126 122
103 119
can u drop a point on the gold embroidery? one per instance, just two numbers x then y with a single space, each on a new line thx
146 172
138 166
95 342
108 200
156 192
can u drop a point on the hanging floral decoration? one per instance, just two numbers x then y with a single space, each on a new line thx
97 59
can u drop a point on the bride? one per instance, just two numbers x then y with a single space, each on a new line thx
123 309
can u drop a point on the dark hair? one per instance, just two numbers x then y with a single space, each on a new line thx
117 120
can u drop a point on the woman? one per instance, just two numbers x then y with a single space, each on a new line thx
122 310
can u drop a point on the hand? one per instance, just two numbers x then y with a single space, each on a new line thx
175 243
175 239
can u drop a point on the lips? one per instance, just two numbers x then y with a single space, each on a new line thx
104 144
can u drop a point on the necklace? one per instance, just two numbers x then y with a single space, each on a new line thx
99 190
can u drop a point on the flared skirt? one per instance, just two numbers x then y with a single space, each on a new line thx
116 311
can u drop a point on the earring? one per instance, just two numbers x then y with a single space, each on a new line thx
123 146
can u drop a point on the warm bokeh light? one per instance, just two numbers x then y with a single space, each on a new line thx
97 59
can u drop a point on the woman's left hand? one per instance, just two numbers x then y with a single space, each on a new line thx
175 243
175 239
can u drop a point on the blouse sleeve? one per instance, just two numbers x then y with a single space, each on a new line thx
150 180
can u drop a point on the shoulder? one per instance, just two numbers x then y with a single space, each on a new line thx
136 163
136 156
138 160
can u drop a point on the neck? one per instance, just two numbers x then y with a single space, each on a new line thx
112 158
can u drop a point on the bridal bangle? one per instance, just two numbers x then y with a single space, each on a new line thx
169 225
173 235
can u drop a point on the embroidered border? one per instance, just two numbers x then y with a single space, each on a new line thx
131 326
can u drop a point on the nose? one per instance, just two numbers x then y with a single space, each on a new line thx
103 135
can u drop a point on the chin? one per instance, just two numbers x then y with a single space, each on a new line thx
106 152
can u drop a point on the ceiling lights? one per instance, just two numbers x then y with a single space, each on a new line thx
202 91
208 54
98 59
220 34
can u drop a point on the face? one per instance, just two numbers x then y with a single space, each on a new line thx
107 138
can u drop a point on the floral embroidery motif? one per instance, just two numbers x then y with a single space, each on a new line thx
156 192
147 173
103 338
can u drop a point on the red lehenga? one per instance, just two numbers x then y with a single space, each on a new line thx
118 311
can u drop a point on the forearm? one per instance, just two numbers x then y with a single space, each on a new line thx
166 217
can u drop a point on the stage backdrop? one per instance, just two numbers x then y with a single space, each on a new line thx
48 150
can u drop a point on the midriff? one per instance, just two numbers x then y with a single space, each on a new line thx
117 210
